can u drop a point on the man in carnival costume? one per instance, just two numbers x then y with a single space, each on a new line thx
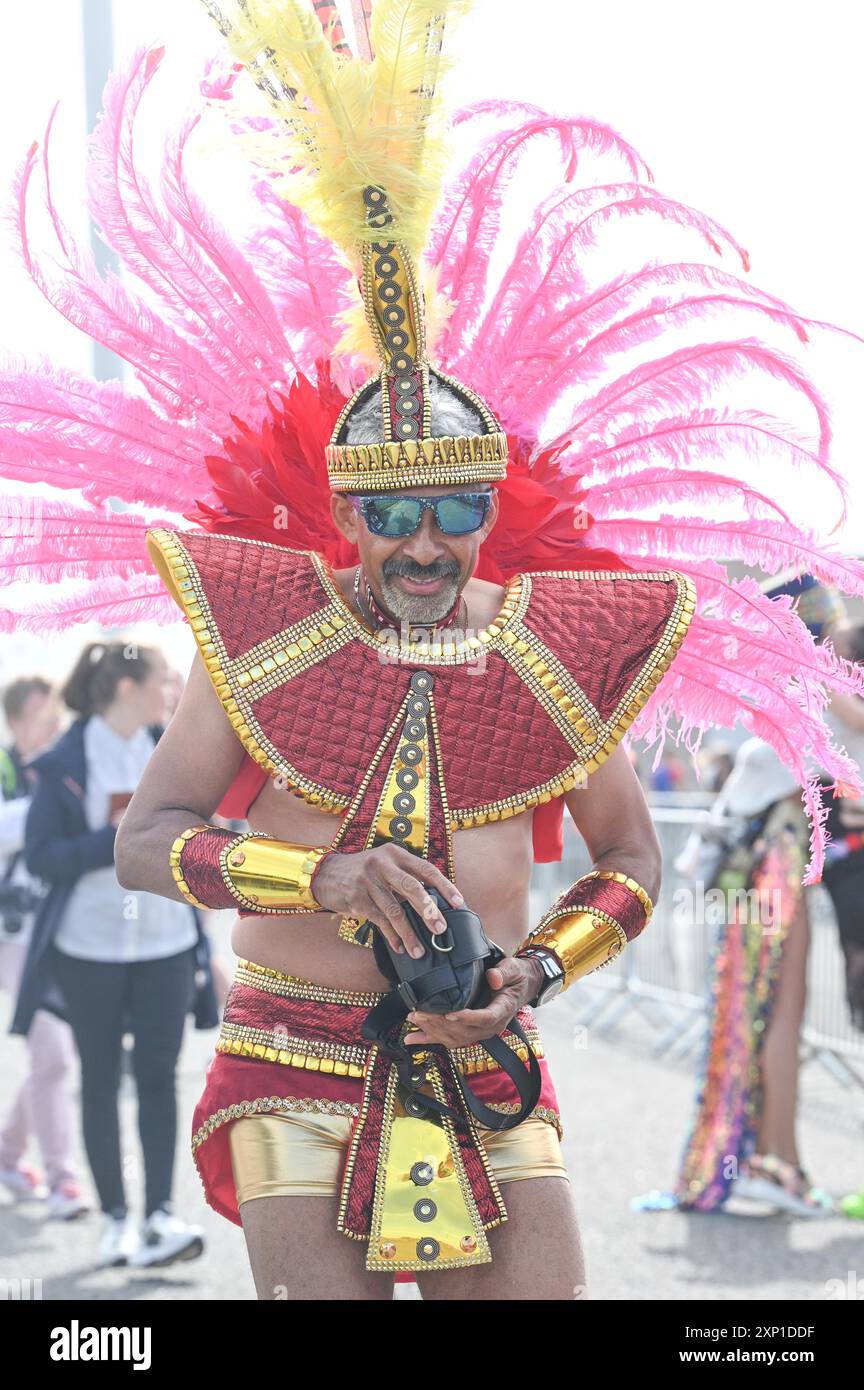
403 694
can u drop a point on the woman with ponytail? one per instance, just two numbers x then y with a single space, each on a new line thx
110 961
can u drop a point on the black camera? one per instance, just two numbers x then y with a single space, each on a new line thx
451 974
17 902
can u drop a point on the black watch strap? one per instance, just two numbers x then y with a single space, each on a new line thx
553 974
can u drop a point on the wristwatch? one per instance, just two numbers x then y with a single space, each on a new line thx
553 974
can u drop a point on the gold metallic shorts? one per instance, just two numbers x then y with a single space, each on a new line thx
291 1154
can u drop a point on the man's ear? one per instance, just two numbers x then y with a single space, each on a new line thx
344 517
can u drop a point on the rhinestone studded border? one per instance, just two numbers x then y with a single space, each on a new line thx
610 733
494 638
186 587
272 981
263 1105
310 1054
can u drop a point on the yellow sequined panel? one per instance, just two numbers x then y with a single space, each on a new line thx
409 809
424 1215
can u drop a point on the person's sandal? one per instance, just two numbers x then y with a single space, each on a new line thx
783 1185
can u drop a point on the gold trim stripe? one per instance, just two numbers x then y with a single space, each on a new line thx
336 1059
179 573
172 559
610 732
271 981
264 1105
175 853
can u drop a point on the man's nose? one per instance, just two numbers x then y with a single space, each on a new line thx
425 545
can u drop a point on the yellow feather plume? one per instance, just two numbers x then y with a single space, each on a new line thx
351 124
356 340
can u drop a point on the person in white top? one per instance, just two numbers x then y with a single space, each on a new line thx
123 962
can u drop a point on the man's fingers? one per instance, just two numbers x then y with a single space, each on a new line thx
490 1020
379 913
430 875
508 971
392 920
403 884
467 1026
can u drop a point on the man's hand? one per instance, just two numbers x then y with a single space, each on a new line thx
370 884
513 982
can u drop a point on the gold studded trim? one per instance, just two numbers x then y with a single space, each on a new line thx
348 929
247 1041
627 881
174 855
543 1112
449 459
271 981
309 1054
552 686
608 733
182 580
363 1115
482 1062
570 709
334 1058
279 658
263 1105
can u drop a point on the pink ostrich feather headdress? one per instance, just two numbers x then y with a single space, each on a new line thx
615 394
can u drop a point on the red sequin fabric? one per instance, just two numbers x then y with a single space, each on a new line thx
317 701
609 896
199 864
239 1085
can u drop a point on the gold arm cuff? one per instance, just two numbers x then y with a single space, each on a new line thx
628 883
174 860
267 875
582 940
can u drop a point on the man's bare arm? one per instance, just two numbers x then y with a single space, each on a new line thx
193 765
612 816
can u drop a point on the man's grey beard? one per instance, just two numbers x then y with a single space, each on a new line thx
419 609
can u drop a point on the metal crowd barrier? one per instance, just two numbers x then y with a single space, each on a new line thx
664 974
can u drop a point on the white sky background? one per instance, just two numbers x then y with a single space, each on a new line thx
749 111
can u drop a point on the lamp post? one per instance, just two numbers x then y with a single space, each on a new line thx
98 46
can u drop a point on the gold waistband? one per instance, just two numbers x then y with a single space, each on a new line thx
329 1055
264 977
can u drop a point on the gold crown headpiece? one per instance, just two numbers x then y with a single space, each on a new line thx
364 133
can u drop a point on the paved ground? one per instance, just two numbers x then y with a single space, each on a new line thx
625 1116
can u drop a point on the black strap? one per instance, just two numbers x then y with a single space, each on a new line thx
383 1026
